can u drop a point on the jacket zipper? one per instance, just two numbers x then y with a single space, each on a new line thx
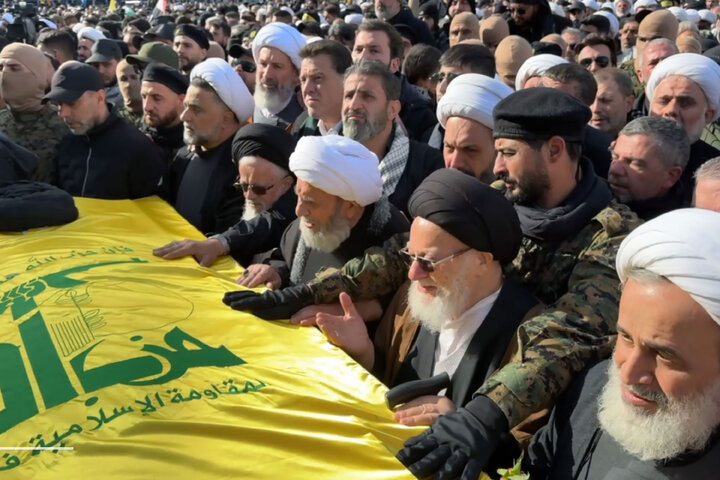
87 166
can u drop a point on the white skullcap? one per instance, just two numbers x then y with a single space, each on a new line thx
284 37
355 18
682 247
261 11
645 4
89 33
707 15
472 96
592 4
338 166
612 19
698 68
679 13
692 15
535 66
49 23
8 17
228 85
608 5
77 27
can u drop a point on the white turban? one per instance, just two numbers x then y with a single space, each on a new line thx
338 166
356 18
707 15
679 13
557 9
49 23
698 68
682 246
591 4
535 66
90 33
472 96
612 19
645 3
228 85
284 37
692 15
8 17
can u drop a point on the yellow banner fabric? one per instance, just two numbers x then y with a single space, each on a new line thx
118 364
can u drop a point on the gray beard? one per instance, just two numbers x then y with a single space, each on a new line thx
273 100
329 237
676 427
361 131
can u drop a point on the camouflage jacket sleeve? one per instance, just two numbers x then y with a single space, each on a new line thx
380 271
575 330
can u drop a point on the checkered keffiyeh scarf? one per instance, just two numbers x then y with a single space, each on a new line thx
393 165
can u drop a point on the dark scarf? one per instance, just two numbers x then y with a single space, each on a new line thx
653 207
591 195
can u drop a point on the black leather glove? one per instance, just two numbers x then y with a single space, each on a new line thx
458 445
271 304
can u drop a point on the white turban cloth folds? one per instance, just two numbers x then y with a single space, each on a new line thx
338 166
682 246
472 96
228 85
698 68
282 36
535 66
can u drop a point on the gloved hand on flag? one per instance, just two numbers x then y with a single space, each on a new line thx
271 304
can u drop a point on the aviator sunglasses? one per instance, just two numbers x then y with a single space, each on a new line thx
427 265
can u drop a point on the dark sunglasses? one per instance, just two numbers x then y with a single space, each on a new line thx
519 11
246 65
602 61
256 189
440 76
427 265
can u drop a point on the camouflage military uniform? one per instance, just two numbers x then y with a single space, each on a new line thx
711 135
40 132
132 118
628 66
576 279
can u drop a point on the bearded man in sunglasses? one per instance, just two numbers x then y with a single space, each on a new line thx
463 233
532 20
261 153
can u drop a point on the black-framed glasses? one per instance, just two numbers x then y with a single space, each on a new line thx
427 265
440 76
519 11
246 65
258 190
601 61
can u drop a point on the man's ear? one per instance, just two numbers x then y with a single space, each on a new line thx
709 114
394 65
394 109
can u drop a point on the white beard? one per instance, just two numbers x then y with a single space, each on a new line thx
433 312
677 426
250 212
273 100
328 237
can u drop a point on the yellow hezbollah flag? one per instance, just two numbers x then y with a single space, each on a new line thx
118 364
113 6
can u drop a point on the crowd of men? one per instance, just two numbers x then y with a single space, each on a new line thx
522 195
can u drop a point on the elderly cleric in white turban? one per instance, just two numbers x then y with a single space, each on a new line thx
698 68
228 85
338 166
282 36
535 66
682 246
472 96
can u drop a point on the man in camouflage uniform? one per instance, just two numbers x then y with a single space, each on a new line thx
566 259
25 73
131 108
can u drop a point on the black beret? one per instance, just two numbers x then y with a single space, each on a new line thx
267 141
166 75
546 47
196 33
540 113
471 211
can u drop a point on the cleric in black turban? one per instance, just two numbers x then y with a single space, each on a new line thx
267 141
473 212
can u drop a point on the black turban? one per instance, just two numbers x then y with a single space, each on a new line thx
471 211
267 141
196 33
165 75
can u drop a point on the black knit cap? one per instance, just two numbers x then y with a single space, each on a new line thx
165 75
196 33
471 211
267 141
540 113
